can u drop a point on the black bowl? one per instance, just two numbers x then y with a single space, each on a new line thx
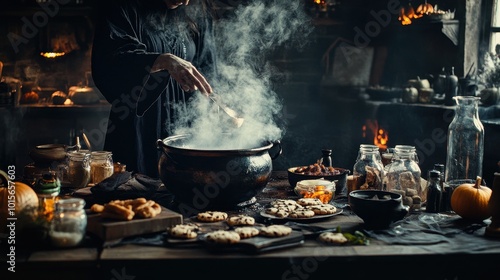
339 179
378 209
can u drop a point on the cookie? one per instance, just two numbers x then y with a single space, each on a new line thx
309 201
223 237
212 216
332 238
241 220
301 213
247 232
278 212
187 231
275 231
323 209
285 203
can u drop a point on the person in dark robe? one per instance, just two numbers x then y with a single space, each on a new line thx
149 58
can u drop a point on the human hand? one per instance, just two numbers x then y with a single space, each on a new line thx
184 72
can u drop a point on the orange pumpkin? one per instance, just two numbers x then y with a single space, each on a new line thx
425 8
24 196
470 201
30 97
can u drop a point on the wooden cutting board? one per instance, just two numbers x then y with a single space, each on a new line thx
111 230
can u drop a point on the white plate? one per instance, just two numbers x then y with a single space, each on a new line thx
315 217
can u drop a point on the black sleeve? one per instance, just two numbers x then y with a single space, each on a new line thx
206 53
120 61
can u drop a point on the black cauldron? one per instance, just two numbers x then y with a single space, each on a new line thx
204 180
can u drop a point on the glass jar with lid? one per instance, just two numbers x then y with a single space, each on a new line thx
101 166
403 176
371 147
78 168
47 189
368 171
69 225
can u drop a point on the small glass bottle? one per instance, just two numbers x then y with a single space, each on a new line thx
101 166
326 160
440 167
78 169
465 147
47 189
403 176
69 225
451 88
368 171
433 201
445 195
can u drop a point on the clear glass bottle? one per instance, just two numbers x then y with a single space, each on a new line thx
68 227
403 176
368 171
464 155
78 169
101 166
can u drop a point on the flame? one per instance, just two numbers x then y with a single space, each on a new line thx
321 3
380 135
406 15
52 54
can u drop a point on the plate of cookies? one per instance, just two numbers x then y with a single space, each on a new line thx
300 209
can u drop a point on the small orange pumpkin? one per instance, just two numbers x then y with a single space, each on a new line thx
24 196
470 201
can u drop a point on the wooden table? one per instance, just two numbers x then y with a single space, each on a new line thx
311 260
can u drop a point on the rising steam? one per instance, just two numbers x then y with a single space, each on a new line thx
245 77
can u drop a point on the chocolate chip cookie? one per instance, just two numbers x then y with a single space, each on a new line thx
223 237
247 232
212 216
275 231
186 231
241 220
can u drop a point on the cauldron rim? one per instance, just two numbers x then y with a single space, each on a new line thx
167 147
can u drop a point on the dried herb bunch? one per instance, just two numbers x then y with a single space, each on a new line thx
489 73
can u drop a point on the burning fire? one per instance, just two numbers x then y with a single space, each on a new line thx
321 4
52 54
380 135
407 14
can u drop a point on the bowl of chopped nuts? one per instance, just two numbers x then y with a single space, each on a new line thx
319 171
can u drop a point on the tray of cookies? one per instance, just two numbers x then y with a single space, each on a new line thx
219 231
302 209
251 239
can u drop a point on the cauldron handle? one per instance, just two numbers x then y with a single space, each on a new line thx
278 144
160 145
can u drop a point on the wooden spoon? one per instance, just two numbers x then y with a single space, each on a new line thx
236 120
